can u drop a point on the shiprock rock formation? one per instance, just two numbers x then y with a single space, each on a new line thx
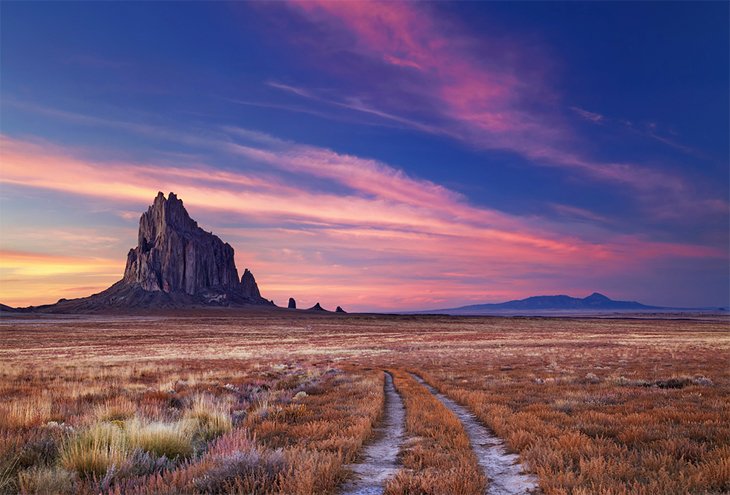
292 303
173 254
340 310
176 264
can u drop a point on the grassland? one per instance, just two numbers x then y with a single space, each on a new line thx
282 404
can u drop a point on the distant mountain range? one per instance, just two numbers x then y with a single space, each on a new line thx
594 303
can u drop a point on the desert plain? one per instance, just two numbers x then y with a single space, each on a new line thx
280 403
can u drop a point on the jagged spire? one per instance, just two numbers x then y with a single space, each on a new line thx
164 213
248 285
175 255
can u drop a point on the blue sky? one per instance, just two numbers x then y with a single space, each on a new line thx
376 156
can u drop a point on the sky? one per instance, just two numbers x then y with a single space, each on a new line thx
378 156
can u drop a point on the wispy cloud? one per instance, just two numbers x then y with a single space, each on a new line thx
442 80
291 89
650 130
574 212
594 117
24 263
357 105
401 238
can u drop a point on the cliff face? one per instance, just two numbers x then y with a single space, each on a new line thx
173 254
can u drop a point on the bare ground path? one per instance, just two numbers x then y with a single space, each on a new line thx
505 473
380 456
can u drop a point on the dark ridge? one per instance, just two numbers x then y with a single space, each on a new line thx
595 302
6 308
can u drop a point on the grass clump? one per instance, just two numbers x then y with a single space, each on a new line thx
118 409
94 450
172 440
46 481
26 413
212 418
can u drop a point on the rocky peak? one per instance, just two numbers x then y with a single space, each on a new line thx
248 285
174 255
292 303
597 297
162 215
317 307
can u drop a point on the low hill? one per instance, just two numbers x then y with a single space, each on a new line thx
594 302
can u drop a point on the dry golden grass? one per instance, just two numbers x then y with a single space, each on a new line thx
118 408
46 481
278 405
438 459
115 421
173 440
91 452
211 418
584 427
26 412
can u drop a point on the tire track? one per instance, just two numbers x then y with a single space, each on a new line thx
380 456
505 474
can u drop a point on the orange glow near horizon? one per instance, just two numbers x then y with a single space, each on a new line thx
30 278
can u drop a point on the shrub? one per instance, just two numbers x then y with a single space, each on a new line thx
41 448
8 468
141 463
249 471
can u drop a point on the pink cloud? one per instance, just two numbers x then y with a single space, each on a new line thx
488 92
387 241
405 35
391 59
594 117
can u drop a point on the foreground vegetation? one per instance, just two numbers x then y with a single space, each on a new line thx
438 458
281 405
264 429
